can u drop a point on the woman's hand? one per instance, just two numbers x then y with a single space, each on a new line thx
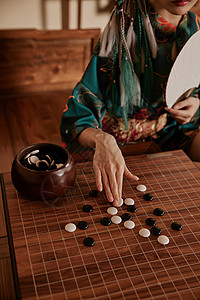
109 167
184 111
108 163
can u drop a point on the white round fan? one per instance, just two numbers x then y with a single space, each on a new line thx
185 72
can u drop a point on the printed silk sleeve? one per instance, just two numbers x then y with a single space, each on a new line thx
86 107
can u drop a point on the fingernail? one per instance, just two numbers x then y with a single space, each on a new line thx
115 202
110 199
99 188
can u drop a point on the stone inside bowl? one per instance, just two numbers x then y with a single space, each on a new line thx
43 171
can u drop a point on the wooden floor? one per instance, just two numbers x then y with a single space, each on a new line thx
26 120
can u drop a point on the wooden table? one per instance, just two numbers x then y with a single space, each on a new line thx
49 263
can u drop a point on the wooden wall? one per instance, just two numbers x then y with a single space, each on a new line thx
38 70
35 61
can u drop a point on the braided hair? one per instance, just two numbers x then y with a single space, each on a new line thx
132 51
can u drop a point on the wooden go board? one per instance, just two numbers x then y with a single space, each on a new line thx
54 264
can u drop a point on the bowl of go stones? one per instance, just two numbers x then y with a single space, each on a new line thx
43 171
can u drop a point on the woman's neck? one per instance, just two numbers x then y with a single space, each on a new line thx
165 13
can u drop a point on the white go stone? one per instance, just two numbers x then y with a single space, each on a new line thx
116 219
129 224
33 159
59 166
27 156
163 239
129 201
35 151
120 203
141 188
144 232
70 227
112 210
48 157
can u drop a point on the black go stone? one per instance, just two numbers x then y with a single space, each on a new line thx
148 197
24 162
53 167
176 226
156 230
87 208
158 212
46 161
94 193
43 166
47 158
30 167
151 221
82 225
88 242
106 221
132 208
54 156
126 217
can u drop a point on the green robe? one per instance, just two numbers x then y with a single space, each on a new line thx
92 96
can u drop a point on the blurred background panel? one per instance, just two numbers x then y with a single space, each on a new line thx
49 14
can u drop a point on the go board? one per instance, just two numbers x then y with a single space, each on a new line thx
54 264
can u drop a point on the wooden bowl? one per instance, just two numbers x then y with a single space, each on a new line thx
44 185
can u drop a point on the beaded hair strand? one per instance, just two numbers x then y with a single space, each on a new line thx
132 51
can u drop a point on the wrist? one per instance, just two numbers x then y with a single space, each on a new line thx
90 137
102 137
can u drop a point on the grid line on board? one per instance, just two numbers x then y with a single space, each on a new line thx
172 256
173 204
189 244
158 258
29 256
155 271
103 248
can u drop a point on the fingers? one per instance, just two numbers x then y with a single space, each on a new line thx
110 186
184 110
106 179
182 104
119 180
109 167
99 184
110 178
181 116
178 113
129 175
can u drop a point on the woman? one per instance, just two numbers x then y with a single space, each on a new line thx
120 98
